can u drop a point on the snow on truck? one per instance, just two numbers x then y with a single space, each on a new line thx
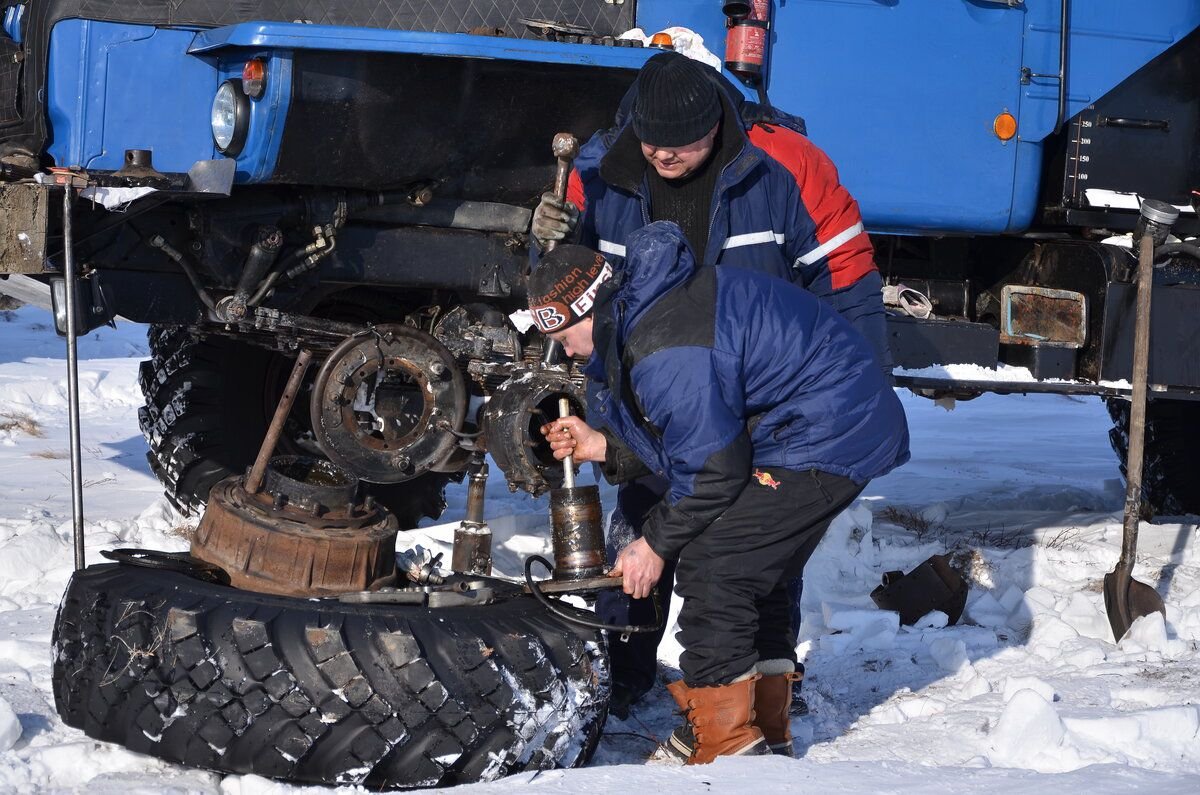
356 180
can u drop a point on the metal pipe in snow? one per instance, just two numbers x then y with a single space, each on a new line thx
73 380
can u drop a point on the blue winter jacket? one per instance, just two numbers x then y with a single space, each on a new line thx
706 373
761 216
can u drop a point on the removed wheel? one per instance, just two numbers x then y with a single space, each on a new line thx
321 691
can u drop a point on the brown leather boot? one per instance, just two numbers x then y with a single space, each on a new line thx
721 717
772 702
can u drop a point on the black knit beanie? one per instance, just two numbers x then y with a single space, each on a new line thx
677 103
562 289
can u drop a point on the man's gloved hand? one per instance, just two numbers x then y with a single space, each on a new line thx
553 219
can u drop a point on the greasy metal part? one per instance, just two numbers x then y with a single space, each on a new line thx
552 353
623 631
583 585
73 379
254 478
577 532
388 404
264 252
456 594
311 485
138 170
419 566
182 562
564 410
934 585
512 421
453 214
1127 599
298 536
473 538
272 320
565 148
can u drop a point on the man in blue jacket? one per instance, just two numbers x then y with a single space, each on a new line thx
765 412
759 196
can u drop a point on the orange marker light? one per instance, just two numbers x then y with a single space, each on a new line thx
1005 126
254 77
663 41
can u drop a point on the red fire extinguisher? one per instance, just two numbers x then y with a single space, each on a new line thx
746 42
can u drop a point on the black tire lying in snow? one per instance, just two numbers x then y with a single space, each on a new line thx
324 692
1172 462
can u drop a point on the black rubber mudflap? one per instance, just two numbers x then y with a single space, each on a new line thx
1172 465
318 691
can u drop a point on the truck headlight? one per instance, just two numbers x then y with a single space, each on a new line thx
230 118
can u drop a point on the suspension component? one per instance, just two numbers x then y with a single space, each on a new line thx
512 421
473 537
388 403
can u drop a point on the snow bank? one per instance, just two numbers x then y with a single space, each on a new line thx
1027 692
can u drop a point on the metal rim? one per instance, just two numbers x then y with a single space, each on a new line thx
407 366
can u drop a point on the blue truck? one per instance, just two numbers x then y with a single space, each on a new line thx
256 178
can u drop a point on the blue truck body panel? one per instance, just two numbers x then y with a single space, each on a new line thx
902 95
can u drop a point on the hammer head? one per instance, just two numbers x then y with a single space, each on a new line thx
565 145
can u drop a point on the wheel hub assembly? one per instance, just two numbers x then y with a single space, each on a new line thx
305 533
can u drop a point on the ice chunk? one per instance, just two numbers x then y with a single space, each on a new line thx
10 727
935 619
1085 617
949 654
986 611
1031 735
1015 684
1149 634
859 628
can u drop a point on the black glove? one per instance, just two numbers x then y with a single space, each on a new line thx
553 219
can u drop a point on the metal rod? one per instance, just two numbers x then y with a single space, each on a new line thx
255 478
564 410
73 380
553 351
476 489
1062 65
1137 402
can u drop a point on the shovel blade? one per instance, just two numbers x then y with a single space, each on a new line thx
1126 600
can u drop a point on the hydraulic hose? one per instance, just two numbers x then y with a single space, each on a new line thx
1167 249
159 242
623 630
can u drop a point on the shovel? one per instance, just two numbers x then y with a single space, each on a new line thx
1126 599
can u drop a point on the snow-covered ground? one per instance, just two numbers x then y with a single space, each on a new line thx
1027 693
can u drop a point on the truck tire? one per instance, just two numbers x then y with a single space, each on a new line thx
1172 464
318 691
208 403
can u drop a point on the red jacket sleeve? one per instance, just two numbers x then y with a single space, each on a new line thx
575 191
841 238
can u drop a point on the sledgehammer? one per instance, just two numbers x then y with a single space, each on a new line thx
565 147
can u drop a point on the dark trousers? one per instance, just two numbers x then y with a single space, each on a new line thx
788 521
635 661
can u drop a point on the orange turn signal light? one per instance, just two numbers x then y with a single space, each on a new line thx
1005 126
254 77
662 40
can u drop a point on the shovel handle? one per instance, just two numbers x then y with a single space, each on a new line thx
1137 403
564 410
